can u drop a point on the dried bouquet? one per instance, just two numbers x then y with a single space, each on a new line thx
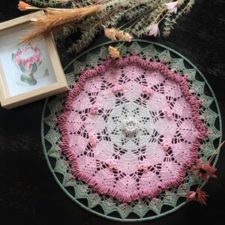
119 19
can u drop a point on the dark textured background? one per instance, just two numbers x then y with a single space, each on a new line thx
28 192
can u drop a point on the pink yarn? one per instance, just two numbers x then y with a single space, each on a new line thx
122 148
94 109
117 89
148 91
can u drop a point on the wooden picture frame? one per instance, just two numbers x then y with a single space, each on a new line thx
28 72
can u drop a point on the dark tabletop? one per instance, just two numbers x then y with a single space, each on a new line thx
28 192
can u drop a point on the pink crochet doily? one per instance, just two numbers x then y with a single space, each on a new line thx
131 128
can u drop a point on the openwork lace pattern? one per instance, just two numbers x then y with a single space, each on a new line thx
131 128
80 191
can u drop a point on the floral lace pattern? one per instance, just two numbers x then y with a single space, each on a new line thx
104 205
131 128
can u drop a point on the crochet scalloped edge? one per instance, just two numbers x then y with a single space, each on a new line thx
194 103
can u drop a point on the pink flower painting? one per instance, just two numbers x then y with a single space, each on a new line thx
27 58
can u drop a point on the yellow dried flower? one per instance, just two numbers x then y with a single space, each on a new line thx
117 35
128 37
111 33
123 36
114 52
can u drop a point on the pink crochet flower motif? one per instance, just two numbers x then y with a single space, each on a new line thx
166 144
168 113
93 141
143 167
112 164
117 89
145 137
94 109
147 91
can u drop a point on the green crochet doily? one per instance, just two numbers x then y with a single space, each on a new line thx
105 206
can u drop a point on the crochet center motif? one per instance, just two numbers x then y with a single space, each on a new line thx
131 128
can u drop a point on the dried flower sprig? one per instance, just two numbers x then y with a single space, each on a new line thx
172 6
117 35
205 171
55 18
197 196
23 6
154 30
114 52
142 17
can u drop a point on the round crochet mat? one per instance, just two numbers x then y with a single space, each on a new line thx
121 142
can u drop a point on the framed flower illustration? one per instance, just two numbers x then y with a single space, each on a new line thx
28 72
